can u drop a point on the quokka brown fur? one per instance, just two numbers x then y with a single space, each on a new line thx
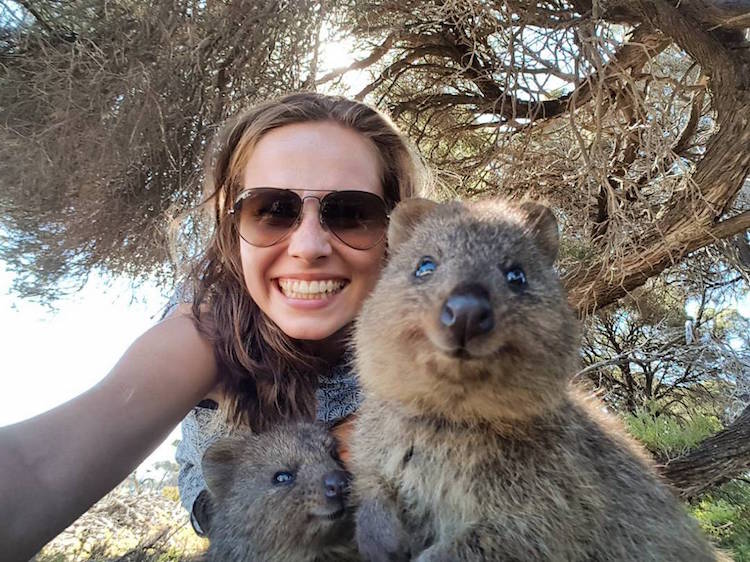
470 444
278 496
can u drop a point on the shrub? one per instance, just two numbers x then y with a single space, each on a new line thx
724 515
668 436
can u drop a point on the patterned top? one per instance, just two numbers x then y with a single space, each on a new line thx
338 397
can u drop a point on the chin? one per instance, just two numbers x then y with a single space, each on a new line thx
311 331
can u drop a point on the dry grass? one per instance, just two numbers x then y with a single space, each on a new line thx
128 525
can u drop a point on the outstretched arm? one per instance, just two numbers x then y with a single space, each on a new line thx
53 467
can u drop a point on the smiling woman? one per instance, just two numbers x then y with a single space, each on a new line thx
282 175
312 159
299 189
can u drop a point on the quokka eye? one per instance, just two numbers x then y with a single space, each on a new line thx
283 477
516 278
425 268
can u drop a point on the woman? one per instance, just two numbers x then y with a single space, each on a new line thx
300 190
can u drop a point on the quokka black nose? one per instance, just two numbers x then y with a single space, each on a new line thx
335 483
467 313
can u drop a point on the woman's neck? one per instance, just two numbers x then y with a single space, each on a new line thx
330 349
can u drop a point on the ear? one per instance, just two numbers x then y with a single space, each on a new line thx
405 217
219 463
542 225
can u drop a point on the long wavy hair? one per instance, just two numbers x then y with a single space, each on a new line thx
268 377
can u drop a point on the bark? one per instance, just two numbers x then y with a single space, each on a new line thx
492 98
716 460
711 14
694 218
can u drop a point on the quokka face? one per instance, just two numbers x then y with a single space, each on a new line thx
469 311
282 494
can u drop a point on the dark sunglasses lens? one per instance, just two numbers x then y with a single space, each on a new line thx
267 215
358 218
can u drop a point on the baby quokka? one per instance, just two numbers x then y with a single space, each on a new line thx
470 444
278 496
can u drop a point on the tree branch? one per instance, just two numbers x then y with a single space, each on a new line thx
715 461
592 288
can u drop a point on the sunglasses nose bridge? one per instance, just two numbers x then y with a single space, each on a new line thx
320 209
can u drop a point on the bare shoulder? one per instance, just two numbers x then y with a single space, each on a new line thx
176 348
182 326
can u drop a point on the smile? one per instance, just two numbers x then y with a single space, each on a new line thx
309 290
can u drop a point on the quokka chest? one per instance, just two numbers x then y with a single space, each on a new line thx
438 475
454 476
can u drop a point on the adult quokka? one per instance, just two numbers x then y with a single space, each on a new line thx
278 496
470 444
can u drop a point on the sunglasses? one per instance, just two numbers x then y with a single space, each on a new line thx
265 215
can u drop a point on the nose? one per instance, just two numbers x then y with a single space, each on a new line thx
309 240
467 313
334 484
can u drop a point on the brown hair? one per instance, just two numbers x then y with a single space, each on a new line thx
266 375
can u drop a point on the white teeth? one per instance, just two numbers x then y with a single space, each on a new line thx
299 289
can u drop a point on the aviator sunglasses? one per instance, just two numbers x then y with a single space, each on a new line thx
265 215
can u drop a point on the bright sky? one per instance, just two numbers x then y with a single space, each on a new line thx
48 357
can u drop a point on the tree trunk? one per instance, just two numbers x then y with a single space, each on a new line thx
716 460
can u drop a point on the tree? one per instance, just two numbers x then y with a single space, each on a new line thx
646 353
106 111
718 459
627 117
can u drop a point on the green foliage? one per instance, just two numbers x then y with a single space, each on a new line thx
669 436
659 303
725 516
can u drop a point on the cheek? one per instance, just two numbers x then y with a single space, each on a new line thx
367 266
255 263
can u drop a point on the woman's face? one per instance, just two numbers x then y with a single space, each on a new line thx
303 157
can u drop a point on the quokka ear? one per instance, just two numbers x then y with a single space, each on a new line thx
219 463
542 225
405 217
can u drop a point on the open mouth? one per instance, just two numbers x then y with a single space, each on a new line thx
310 290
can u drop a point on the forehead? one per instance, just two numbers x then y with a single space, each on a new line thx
472 241
462 230
291 442
318 156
